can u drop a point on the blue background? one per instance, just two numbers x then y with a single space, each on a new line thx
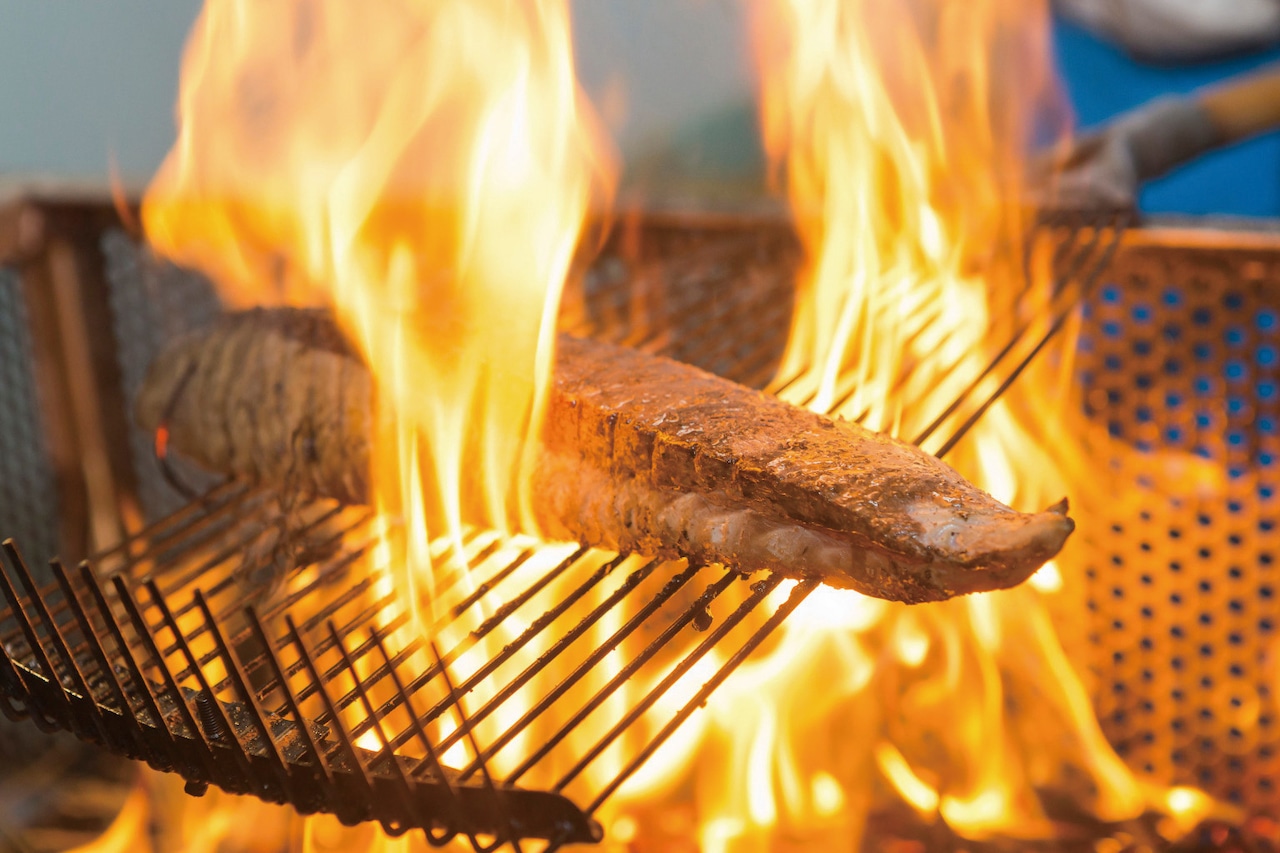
1243 180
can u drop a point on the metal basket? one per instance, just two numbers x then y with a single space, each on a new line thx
1180 364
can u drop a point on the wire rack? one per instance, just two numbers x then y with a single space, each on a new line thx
521 710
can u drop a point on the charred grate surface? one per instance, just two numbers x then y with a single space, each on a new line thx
28 487
1180 372
556 675
350 711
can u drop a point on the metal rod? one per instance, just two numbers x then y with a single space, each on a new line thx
475 749
108 671
759 591
224 724
553 652
386 754
35 647
798 595
712 592
94 644
994 363
141 628
143 689
509 650
56 640
472 638
344 736
598 654
431 759
291 701
1058 322
212 707
149 532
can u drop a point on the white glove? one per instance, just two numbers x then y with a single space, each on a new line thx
1105 169
1179 29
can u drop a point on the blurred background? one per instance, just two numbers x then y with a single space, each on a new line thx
82 82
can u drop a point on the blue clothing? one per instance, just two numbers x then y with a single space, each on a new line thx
1102 81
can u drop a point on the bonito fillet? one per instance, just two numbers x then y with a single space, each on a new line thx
640 453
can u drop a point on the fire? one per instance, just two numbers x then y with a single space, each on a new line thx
901 130
426 168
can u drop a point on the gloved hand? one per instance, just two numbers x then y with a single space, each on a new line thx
1105 168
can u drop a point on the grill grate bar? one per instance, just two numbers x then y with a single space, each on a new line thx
510 650
1071 299
230 552
35 647
597 655
29 629
223 734
157 660
352 593
712 593
1073 263
158 532
456 700
136 562
474 637
94 643
346 744
798 594
144 748
319 763
385 755
219 725
759 591
142 687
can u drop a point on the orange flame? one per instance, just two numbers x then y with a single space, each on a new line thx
425 168
901 131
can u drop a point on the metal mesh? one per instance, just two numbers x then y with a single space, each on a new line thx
1180 365
152 303
28 493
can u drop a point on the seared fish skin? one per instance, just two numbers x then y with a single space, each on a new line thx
639 453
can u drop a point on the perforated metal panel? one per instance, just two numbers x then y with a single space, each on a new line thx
1180 364
28 494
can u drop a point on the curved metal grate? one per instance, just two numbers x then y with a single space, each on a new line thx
559 673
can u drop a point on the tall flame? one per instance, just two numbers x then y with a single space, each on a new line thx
423 166
901 131
426 166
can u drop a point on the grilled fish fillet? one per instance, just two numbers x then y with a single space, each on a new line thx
640 453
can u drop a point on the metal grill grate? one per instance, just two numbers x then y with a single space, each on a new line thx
490 732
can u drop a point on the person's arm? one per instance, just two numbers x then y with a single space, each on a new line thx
1245 106
1108 167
